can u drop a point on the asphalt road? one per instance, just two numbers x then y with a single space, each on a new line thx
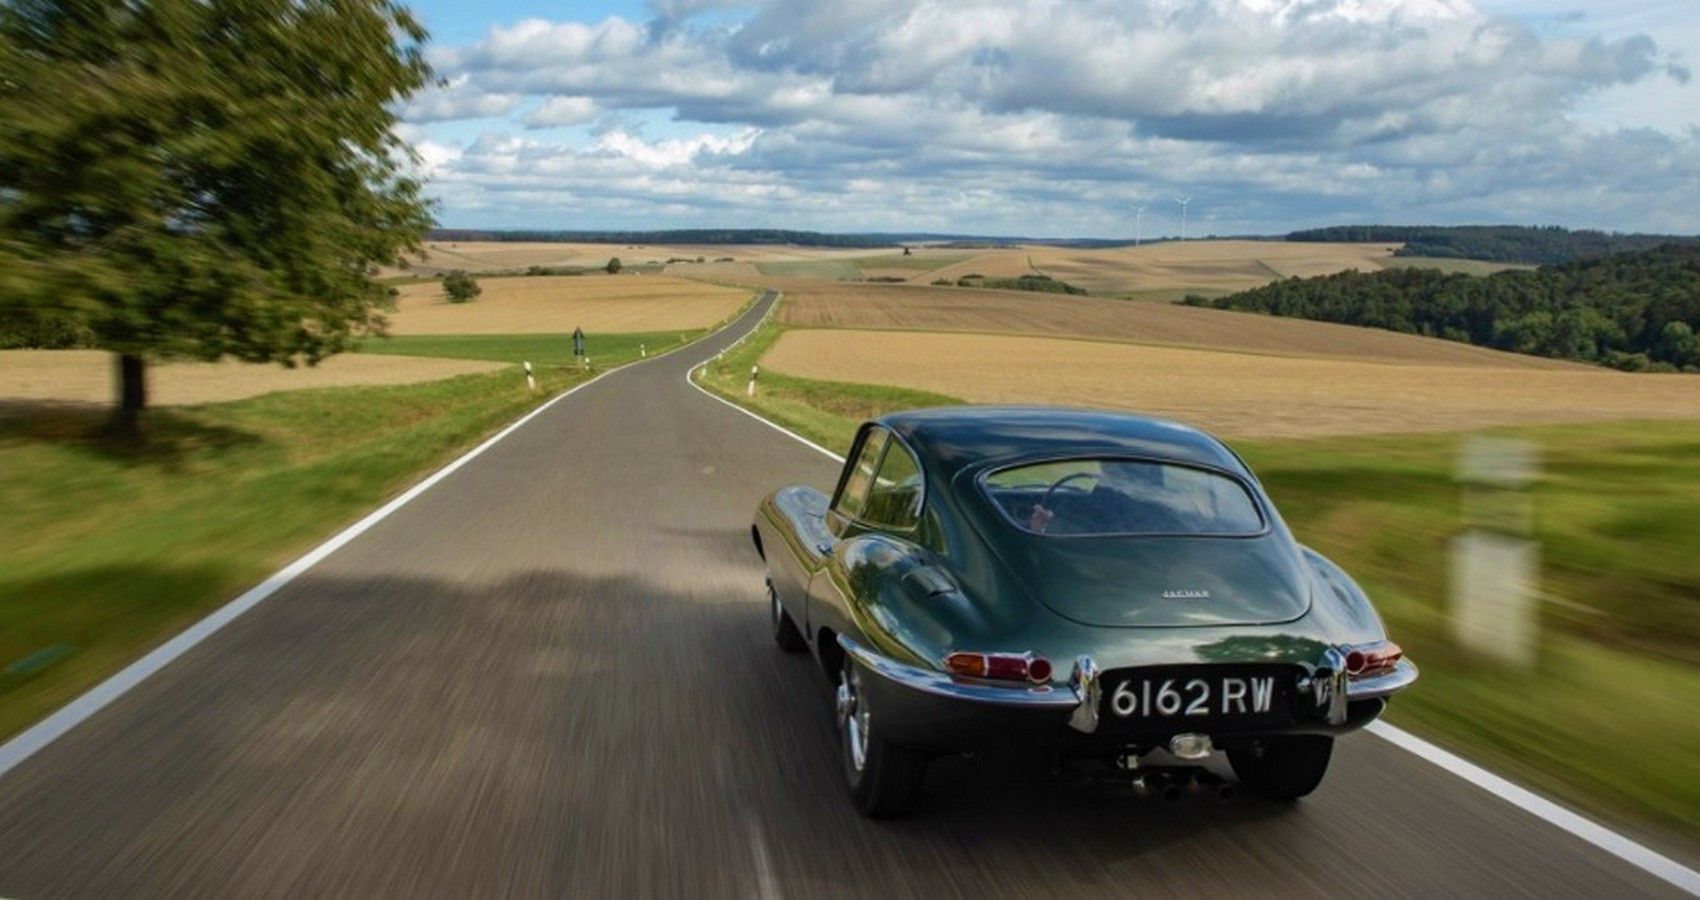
551 675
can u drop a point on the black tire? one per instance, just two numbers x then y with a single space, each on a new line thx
886 781
1283 768
785 631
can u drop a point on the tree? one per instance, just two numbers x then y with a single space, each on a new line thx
614 265
460 287
204 178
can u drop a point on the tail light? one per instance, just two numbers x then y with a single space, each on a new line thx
1000 666
1378 658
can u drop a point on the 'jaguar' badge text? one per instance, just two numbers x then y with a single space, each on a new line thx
1186 595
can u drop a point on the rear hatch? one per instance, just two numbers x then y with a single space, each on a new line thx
1164 581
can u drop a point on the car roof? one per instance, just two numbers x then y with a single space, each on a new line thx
956 437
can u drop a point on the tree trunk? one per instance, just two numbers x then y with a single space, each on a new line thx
132 390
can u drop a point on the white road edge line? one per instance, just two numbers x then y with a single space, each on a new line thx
27 743
1641 857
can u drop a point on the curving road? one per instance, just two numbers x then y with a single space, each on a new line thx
550 675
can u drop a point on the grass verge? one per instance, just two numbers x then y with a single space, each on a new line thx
106 549
1605 720
538 349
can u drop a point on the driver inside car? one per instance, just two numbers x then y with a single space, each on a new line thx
1127 498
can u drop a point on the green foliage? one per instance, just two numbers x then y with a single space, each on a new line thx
1634 311
613 266
1498 243
460 287
189 179
1032 282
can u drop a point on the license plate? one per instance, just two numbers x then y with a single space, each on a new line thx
1172 695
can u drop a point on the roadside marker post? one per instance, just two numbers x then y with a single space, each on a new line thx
751 390
530 381
1495 577
643 351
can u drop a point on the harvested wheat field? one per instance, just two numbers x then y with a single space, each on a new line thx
1218 267
812 304
1241 394
557 305
86 376
490 256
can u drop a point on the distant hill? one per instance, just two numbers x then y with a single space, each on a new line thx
1538 245
1634 311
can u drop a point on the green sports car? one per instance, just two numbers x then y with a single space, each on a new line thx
1114 590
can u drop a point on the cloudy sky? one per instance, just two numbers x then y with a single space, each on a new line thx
1060 117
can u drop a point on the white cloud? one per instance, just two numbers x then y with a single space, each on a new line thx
1050 116
562 111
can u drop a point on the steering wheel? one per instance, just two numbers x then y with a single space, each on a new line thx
1035 523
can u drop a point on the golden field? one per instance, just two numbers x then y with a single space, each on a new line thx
814 304
558 304
1233 393
1166 269
86 376
482 256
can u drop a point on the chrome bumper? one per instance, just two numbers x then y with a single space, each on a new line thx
1332 689
941 685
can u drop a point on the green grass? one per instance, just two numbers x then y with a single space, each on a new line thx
838 269
108 548
1607 719
538 349
826 412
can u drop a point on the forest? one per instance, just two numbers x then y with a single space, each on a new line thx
1635 311
1549 245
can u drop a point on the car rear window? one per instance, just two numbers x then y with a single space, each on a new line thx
1123 497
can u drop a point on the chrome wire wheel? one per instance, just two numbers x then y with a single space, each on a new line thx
853 717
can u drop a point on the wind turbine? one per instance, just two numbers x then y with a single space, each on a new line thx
1138 222
1183 202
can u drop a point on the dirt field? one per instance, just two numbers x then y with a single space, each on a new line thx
1238 394
880 306
557 305
86 376
477 256
1208 266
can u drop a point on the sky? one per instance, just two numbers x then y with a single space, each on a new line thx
1060 118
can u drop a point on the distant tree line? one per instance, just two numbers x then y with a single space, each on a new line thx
1548 245
1633 311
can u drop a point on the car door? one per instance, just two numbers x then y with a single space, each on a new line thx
877 516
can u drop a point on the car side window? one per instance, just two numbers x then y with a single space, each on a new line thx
853 496
894 500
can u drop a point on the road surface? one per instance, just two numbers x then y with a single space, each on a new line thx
551 675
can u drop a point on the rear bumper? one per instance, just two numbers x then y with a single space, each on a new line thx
931 709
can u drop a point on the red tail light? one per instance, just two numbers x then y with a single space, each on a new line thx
1372 659
1000 666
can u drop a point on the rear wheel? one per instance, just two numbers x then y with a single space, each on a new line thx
785 631
884 779
1283 768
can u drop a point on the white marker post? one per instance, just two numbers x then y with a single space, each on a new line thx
1495 564
751 390
530 382
643 351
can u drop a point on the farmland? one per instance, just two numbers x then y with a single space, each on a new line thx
85 376
1163 270
813 304
1240 394
557 305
